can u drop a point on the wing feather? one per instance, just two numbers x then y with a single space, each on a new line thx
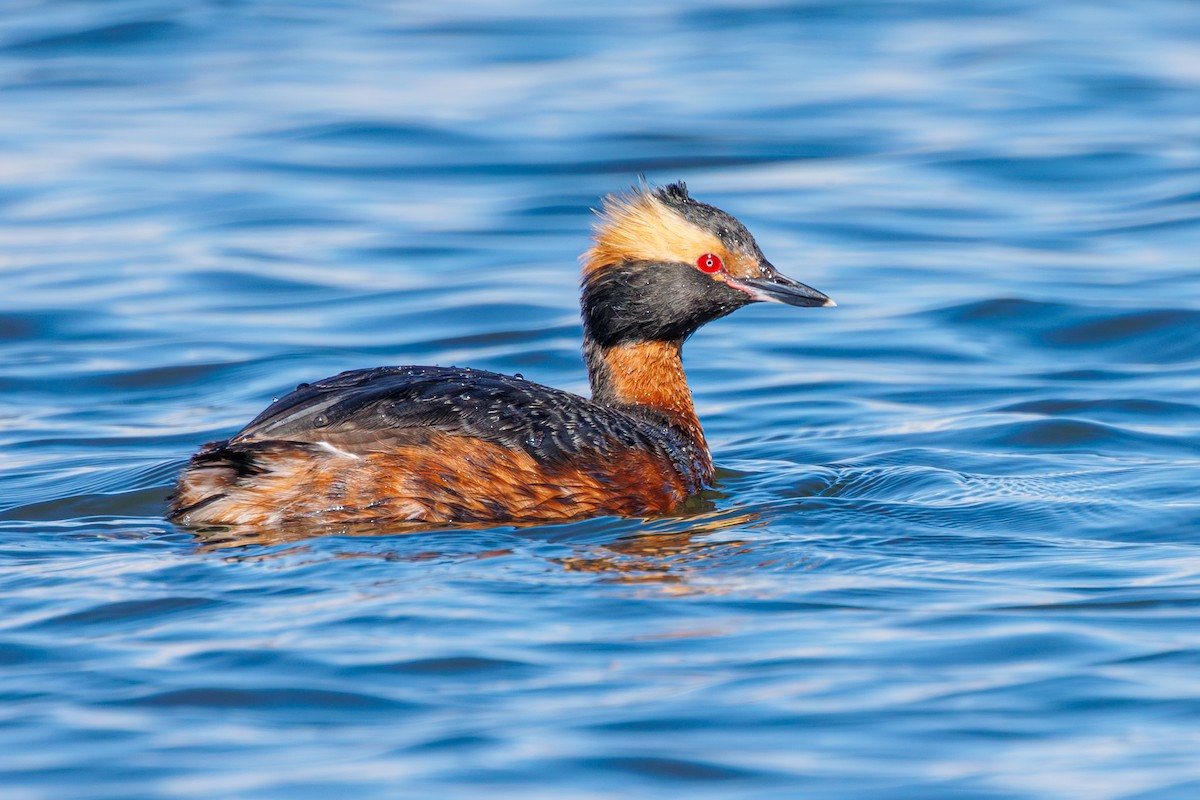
375 410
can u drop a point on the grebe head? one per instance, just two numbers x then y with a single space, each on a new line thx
664 264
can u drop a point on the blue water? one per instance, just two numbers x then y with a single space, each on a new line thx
955 547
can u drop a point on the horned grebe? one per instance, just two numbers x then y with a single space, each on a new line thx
450 444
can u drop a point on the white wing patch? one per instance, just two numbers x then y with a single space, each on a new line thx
337 451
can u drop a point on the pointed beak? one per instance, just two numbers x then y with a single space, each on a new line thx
778 288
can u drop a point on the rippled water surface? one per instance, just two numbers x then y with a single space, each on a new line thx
955 547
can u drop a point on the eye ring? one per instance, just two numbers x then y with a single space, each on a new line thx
709 263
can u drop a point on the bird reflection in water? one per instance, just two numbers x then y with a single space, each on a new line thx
654 551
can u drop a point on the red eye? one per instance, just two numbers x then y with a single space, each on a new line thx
709 262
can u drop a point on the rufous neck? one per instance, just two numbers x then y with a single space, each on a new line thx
648 374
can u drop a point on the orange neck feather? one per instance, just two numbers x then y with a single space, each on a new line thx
648 374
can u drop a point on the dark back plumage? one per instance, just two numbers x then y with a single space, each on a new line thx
374 410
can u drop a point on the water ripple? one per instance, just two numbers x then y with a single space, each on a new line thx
953 541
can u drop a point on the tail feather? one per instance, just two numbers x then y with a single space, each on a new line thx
215 474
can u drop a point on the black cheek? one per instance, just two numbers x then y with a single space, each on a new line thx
645 301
